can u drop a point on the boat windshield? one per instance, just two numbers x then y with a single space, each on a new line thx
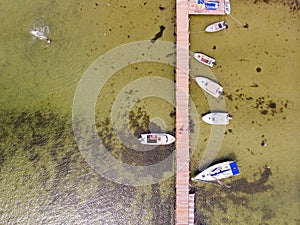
152 138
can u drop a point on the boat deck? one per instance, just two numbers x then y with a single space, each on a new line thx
195 8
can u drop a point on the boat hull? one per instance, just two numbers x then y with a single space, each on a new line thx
218 171
156 139
215 27
209 86
200 57
217 118
227 7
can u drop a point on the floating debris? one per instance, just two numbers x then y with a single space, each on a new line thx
40 30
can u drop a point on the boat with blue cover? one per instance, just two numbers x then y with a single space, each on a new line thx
212 5
208 5
218 171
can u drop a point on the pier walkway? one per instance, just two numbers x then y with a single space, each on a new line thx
184 200
183 214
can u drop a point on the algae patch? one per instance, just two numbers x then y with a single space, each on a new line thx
211 197
42 168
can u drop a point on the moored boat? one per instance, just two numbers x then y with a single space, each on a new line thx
218 171
209 86
216 27
227 7
204 59
156 139
217 118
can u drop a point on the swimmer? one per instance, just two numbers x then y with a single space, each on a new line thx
40 35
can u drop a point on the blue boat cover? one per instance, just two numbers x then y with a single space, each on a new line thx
234 168
212 5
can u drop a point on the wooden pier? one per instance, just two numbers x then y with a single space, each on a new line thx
184 200
183 213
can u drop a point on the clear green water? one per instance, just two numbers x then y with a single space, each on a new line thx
45 179
264 106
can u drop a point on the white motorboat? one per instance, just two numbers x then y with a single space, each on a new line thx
156 139
204 59
216 26
227 7
209 86
218 171
217 118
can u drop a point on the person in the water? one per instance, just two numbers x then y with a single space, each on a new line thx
40 35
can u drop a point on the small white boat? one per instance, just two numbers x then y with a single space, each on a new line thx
217 118
209 86
204 59
156 139
227 7
218 171
216 26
